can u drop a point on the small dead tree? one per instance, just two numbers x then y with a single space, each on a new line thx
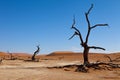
110 60
84 44
11 55
113 60
35 53
0 61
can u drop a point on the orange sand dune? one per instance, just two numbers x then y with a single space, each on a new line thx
72 56
22 54
66 55
3 54
14 55
60 53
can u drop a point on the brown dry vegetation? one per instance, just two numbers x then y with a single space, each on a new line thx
43 70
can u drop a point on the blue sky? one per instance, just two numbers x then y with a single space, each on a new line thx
27 23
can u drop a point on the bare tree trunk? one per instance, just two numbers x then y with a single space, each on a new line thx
85 56
33 57
35 53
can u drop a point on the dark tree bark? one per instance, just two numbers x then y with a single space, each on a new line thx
84 44
35 53
85 55
0 61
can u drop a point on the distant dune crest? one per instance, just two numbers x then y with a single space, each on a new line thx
61 53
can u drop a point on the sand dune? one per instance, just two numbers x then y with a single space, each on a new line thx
57 53
65 55
3 54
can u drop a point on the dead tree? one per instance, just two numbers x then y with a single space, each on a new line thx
113 60
84 44
11 55
35 53
0 61
110 60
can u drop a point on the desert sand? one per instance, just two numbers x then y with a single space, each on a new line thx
20 70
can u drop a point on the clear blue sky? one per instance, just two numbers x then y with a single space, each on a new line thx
27 23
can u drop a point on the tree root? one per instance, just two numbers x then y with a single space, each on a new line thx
86 68
81 68
32 60
97 66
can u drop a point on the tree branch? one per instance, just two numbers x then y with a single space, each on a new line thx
90 9
77 32
98 25
87 19
73 35
94 47
74 27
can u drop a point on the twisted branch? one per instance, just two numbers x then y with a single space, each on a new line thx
77 32
36 52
